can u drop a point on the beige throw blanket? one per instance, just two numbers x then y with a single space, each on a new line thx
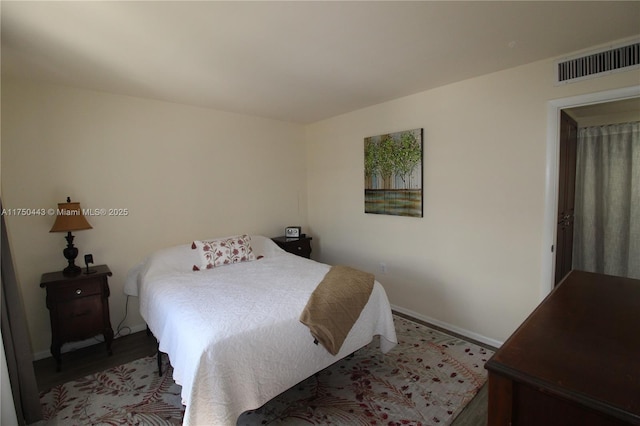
335 305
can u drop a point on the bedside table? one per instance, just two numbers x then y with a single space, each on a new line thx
78 308
300 246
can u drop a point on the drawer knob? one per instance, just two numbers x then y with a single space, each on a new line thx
78 291
299 248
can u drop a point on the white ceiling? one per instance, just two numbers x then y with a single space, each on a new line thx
293 61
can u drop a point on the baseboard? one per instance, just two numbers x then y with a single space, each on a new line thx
72 346
449 327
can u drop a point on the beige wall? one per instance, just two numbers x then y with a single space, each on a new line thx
605 119
474 261
182 172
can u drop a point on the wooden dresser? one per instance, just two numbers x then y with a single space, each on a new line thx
575 360
78 307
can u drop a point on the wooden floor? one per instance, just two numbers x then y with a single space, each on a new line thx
475 413
93 359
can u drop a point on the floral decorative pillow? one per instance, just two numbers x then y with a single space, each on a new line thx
223 251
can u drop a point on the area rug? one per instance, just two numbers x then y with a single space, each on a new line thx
129 394
427 379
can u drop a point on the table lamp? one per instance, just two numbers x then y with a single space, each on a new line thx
70 218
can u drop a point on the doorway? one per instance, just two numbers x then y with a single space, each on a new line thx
591 116
552 171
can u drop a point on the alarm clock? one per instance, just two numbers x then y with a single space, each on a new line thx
292 232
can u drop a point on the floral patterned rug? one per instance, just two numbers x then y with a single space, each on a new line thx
426 380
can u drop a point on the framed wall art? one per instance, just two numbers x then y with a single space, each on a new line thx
393 173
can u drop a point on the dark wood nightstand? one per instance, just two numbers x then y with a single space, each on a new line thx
78 307
300 246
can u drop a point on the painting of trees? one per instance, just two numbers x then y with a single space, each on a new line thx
393 173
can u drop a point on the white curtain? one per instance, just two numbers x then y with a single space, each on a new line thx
607 205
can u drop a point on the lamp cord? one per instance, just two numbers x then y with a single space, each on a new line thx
120 328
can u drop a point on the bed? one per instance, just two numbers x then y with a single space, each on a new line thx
233 332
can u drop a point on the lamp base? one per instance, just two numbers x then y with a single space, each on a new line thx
71 271
70 253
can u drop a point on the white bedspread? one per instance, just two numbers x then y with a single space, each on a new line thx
233 333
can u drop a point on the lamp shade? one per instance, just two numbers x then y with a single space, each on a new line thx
69 218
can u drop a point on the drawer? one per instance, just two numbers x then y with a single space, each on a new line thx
73 290
80 318
301 248
297 246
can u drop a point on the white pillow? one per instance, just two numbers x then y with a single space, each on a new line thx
223 251
265 247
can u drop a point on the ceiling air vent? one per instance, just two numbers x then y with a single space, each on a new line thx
621 58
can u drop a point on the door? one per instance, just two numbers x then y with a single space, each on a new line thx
566 195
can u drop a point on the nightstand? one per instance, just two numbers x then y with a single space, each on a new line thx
300 246
78 308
